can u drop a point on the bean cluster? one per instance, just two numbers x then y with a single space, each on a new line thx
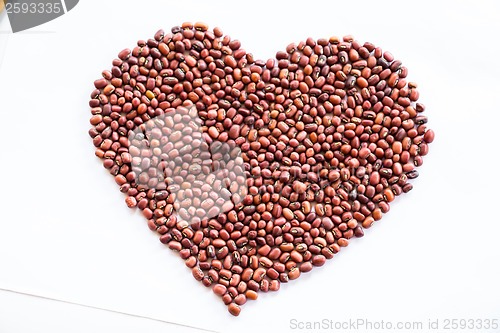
319 140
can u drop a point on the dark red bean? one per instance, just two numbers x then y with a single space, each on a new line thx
256 171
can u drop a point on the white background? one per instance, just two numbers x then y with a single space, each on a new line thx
66 233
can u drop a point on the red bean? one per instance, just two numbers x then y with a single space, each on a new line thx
257 171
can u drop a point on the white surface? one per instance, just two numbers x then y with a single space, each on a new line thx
66 233
21 313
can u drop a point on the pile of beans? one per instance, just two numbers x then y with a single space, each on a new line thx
323 138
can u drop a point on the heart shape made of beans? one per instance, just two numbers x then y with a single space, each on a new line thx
257 171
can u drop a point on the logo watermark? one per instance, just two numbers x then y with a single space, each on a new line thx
171 155
26 14
364 324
